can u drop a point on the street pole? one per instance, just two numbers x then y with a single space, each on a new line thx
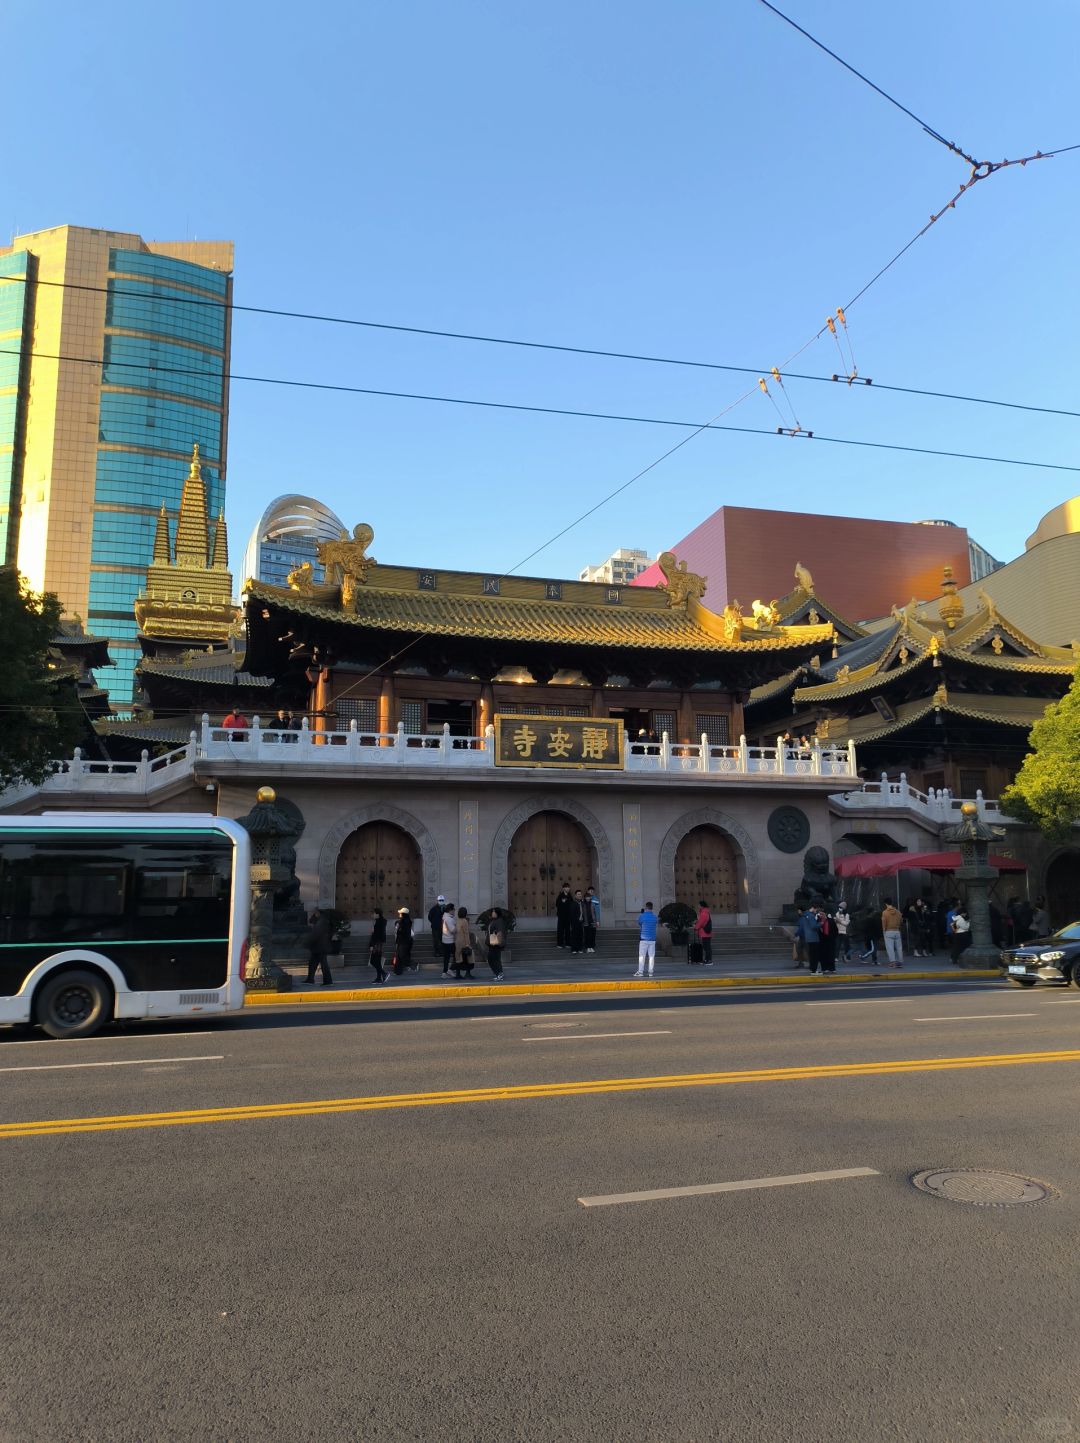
973 837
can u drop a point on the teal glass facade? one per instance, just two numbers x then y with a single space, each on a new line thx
163 389
15 305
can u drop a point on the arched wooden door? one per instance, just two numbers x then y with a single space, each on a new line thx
379 866
706 870
1063 889
548 850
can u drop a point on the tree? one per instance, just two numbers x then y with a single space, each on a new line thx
39 713
1046 791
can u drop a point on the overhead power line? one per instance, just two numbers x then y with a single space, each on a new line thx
607 354
929 129
696 427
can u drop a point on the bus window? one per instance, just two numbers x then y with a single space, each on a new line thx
58 899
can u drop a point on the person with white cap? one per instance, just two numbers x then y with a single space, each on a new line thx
402 958
435 923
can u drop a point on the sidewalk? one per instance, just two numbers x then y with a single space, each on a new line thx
591 974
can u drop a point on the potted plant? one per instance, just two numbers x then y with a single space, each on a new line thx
340 927
678 918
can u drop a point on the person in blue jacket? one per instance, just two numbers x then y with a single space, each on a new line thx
808 929
647 943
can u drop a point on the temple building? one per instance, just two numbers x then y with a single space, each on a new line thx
489 737
947 700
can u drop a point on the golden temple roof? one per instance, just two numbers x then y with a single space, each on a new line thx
581 614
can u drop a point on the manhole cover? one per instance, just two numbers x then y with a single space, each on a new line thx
984 1189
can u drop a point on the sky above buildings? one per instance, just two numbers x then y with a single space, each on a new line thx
691 180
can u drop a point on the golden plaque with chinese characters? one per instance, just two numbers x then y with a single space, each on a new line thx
559 741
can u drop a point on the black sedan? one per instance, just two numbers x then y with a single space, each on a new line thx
1051 959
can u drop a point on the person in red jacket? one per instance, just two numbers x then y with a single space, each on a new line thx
239 722
703 932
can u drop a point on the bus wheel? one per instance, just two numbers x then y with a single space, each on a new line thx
73 1004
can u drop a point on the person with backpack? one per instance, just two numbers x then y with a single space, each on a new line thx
496 941
960 940
703 934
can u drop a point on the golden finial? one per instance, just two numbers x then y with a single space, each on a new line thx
266 794
951 605
195 469
969 809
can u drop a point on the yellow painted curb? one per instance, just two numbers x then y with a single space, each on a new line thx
423 993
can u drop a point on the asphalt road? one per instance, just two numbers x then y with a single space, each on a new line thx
423 1267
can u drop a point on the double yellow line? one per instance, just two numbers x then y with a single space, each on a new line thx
525 1093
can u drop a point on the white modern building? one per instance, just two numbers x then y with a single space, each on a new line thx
286 535
620 568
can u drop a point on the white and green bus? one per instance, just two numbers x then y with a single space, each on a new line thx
109 916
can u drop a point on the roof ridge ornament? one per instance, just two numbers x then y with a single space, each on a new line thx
679 583
803 578
346 563
951 604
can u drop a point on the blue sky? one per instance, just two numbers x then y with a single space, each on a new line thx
691 180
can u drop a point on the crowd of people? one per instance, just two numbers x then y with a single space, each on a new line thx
827 935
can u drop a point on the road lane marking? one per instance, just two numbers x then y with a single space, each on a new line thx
592 1036
976 1017
859 1002
1057 1001
526 1092
747 1185
127 1062
110 1037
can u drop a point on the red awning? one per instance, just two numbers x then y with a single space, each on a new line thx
887 864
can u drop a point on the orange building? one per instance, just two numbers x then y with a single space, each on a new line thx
864 567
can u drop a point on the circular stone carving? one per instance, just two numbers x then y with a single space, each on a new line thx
789 829
984 1189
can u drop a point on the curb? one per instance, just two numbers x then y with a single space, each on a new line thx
534 989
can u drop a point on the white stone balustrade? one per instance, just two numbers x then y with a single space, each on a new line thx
353 749
937 805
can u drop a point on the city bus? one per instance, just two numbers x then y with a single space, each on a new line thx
110 916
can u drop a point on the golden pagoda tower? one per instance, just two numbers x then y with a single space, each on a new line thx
187 598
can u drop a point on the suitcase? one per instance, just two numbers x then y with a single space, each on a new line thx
695 954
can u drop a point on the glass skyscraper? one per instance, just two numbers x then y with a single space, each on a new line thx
286 535
114 360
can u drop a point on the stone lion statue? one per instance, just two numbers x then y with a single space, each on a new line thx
818 884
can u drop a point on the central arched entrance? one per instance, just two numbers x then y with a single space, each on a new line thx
547 850
706 870
378 866
1063 889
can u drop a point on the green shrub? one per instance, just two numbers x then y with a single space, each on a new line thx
677 916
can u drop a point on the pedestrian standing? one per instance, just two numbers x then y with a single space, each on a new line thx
843 932
463 945
448 925
435 923
891 922
237 720
317 941
646 941
293 725
961 935
703 932
496 941
402 960
809 931
1040 918
577 923
564 907
827 944
590 918
376 944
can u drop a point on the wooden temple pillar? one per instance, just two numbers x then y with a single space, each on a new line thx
485 711
387 708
